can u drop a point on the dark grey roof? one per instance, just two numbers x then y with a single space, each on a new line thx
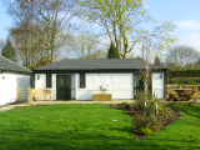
102 64
7 65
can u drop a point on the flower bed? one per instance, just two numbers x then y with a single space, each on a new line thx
144 123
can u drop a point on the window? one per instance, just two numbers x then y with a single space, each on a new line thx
161 76
33 81
38 77
48 81
82 80
3 77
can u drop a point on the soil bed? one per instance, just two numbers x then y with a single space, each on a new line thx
162 122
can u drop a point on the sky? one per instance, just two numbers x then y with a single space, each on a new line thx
184 13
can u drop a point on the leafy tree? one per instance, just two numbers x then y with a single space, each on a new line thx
119 19
113 52
9 51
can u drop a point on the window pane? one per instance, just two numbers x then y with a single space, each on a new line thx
82 80
33 81
48 80
38 77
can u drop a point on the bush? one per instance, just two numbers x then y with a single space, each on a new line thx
149 114
184 80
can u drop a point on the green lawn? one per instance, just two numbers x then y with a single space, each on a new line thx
91 127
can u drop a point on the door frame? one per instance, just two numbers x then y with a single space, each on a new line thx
57 91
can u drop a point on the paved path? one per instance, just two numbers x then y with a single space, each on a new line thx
9 107
81 102
44 103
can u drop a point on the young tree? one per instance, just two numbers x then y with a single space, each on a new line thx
118 18
157 40
152 41
113 53
9 51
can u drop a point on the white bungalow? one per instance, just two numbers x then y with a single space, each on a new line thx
14 82
82 79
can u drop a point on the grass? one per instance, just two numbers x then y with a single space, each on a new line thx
91 127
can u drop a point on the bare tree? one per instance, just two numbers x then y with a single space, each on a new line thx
155 41
55 16
84 45
182 55
41 25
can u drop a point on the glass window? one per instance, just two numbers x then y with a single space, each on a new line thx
82 80
38 77
33 81
48 81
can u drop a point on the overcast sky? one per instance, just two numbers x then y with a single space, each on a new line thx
184 13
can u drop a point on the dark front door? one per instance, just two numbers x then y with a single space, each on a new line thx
63 87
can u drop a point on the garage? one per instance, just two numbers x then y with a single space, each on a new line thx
71 79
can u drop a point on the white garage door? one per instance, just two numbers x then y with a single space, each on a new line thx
158 85
119 85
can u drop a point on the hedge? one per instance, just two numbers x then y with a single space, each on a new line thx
184 80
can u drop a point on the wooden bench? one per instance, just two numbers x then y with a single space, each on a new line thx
102 97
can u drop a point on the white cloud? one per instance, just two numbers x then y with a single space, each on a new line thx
188 32
188 25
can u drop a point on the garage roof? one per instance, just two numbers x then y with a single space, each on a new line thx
10 66
102 64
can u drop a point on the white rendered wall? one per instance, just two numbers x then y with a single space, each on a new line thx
13 88
120 85
158 84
